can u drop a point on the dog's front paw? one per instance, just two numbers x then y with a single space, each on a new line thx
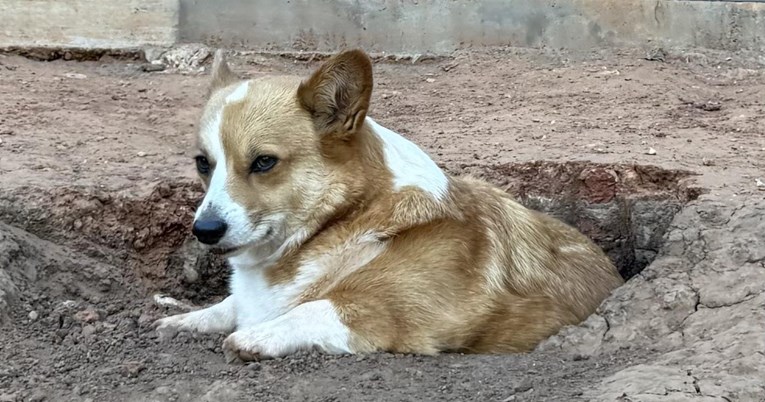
251 345
168 327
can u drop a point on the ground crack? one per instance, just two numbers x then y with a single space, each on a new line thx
696 305
696 385
608 327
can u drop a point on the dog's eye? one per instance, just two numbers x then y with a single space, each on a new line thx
263 164
203 165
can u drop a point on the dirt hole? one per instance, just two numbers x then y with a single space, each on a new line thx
625 209
143 243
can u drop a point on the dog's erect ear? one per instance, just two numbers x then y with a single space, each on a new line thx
337 94
222 76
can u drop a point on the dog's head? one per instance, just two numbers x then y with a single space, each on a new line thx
275 153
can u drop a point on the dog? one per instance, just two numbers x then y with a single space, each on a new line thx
345 237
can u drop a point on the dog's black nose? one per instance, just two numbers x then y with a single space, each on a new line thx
209 231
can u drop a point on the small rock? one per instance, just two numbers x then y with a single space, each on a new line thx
524 386
707 162
141 154
167 301
76 76
37 396
88 315
152 54
132 369
88 330
163 390
656 54
33 315
68 304
709 106
430 80
186 57
651 151
760 185
152 67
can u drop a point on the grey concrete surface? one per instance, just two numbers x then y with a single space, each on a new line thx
87 24
441 26
393 26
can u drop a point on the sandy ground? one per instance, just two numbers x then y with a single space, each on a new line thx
97 188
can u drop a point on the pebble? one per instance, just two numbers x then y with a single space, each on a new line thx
152 67
760 185
76 76
131 369
37 396
651 151
524 386
142 154
88 330
163 390
167 301
69 304
33 315
430 80
87 315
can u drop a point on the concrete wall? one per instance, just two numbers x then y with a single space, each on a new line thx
443 25
88 24
394 26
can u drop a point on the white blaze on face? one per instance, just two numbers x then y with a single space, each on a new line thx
218 202
410 165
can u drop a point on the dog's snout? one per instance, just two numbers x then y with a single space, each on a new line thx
209 231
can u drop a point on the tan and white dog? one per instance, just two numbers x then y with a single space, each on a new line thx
346 237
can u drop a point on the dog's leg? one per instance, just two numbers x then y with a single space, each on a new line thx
219 317
314 324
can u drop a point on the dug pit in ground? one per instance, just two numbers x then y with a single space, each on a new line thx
625 209
81 285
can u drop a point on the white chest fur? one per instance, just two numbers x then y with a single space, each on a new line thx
257 301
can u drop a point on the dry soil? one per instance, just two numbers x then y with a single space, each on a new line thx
97 189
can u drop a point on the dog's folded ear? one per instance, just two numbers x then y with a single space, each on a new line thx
337 95
222 76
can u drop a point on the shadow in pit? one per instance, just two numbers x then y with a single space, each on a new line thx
625 209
